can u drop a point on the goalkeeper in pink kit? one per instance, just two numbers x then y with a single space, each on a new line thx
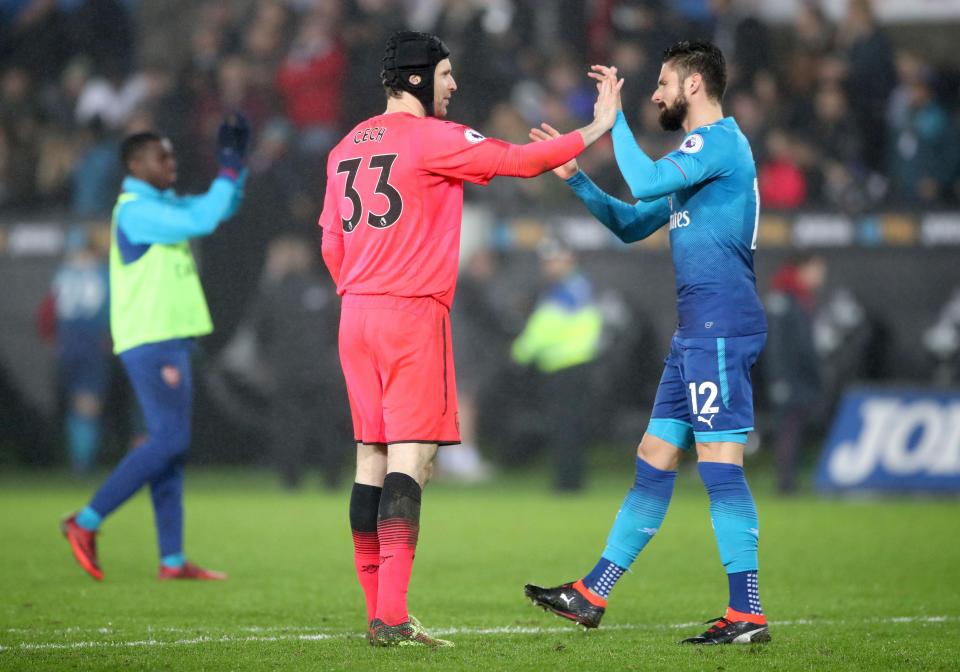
391 240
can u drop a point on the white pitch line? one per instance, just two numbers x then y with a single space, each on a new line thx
312 635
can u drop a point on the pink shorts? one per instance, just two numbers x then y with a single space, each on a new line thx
397 359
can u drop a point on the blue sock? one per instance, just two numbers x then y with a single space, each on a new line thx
737 529
745 593
637 521
83 435
603 577
89 519
175 561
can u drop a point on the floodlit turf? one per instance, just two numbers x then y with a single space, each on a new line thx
866 585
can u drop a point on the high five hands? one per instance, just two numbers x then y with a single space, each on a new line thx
608 95
604 115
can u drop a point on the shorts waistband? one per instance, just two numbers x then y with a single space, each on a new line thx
388 301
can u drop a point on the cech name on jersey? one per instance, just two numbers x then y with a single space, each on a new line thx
374 134
679 220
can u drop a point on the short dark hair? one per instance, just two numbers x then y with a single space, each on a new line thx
132 145
700 56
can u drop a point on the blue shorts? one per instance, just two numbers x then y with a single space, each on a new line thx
85 372
705 393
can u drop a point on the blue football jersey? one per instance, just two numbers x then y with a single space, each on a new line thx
713 234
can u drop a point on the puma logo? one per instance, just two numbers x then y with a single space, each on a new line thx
370 569
708 421
566 600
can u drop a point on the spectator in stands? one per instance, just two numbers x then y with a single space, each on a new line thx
743 37
263 42
837 170
34 36
833 127
295 319
96 174
111 97
783 185
771 101
103 31
233 90
280 199
561 340
21 136
507 44
566 82
870 77
751 119
792 364
311 83
636 65
368 24
812 31
923 146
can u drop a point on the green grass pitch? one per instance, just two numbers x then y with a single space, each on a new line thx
848 584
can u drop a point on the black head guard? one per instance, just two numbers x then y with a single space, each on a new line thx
407 54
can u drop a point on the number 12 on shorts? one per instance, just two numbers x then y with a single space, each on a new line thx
707 389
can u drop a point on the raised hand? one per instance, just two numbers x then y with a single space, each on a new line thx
233 140
608 95
607 105
546 132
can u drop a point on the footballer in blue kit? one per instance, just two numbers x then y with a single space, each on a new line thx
705 191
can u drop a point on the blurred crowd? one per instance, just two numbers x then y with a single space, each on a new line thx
837 116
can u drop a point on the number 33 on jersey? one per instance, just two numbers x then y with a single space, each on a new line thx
395 196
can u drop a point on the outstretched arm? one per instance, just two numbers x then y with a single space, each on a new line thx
462 153
629 223
171 220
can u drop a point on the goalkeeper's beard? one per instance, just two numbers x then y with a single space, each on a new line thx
672 118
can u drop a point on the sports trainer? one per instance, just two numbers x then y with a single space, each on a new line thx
391 238
157 308
706 190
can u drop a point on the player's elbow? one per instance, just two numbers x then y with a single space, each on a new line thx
204 226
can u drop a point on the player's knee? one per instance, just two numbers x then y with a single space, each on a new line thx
371 464
175 442
426 473
86 404
658 453
725 452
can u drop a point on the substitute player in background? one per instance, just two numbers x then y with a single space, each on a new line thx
157 308
391 238
707 191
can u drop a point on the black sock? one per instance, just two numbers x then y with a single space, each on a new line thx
400 499
364 505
